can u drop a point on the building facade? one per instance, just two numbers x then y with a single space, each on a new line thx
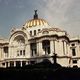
37 40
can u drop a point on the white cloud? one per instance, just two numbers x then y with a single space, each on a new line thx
64 13
56 8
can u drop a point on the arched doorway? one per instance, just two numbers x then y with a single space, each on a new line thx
46 46
19 46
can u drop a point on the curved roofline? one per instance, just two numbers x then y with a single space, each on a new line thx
35 22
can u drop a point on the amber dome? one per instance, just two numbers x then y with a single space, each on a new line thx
36 21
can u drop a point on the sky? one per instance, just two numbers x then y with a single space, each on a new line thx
63 14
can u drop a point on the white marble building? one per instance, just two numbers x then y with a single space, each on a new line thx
34 41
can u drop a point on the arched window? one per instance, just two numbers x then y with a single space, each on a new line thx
46 46
19 43
30 33
73 52
34 32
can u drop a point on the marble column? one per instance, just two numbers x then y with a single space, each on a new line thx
21 63
14 63
8 64
26 63
4 65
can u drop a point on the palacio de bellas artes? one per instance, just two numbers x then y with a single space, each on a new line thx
35 40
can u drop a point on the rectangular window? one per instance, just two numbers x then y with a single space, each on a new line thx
75 66
20 52
73 52
17 52
3 64
5 49
34 32
74 61
24 52
35 51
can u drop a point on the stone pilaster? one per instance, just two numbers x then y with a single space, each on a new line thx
28 51
51 47
55 46
40 48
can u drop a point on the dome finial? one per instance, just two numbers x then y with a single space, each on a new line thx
35 15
